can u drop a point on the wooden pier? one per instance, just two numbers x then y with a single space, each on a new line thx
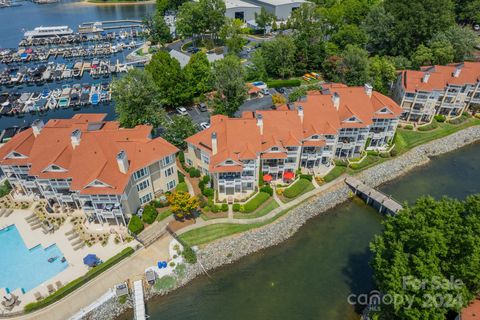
379 200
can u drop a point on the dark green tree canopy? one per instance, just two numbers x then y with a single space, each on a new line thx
430 240
229 84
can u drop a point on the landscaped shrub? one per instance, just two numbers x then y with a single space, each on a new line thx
393 152
202 202
267 189
458 120
255 202
224 207
206 179
181 157
214 209
181 177
77 283
189 255
308 177
201 185
193 172
236 207
149 214
182 186
341 163
208 192
385 155
440 118
408 127
284 83
135 225
297 188
158 204
5 188
431 126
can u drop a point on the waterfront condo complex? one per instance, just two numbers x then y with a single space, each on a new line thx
91 164
336 122
438 90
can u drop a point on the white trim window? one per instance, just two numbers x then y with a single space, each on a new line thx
143 185
168 172
168 160
140 173
146 198
171 185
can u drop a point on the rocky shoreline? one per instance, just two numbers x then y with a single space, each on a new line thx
231 249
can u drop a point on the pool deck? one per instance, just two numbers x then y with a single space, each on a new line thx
74 258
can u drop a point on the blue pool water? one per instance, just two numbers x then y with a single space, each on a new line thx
24 268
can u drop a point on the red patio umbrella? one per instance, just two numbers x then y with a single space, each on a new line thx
288 175
267 178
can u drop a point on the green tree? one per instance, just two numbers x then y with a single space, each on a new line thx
280 56
169 78
178 129
189 20
198 74
467 11
182 204
308 38
379 26
442 51
463 40
213 15
381 73
432 241
354 66
229 84
159 32
416 21
231 35
350 34
136 99
257 69
422 56
264 19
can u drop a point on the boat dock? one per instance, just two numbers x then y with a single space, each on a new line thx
138 300
378 200
100 26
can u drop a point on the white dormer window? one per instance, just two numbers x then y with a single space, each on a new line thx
315 137
228 162
274 148
352 119
54 168
15 155
384 110
99 184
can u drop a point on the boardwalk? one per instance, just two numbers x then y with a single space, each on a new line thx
372 196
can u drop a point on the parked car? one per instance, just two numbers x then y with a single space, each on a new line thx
281 90
265 91
204 125
202 107
193 49
476 27
182 111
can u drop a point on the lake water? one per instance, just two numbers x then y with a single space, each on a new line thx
311 275
15 21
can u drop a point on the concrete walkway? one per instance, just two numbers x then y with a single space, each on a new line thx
93 290
271 214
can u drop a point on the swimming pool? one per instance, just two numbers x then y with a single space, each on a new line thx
24 268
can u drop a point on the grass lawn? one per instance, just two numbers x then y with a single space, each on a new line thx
369 161
263 210
334 173
408 139
309 187
163 215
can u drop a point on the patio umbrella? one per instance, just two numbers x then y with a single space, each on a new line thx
288 175
267 178
90 260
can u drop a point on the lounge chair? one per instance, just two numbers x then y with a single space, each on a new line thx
8 213
35 227
70 232
77 242
79 246
2 211
58 284
73 236
38 296
51 288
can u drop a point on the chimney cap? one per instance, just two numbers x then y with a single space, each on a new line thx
214 135
122 154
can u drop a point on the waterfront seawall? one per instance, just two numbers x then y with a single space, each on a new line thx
231 249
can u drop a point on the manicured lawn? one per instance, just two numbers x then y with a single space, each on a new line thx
213 232
182 186
408 139
369 161
255 202
263 210
164 214
334 173
298 188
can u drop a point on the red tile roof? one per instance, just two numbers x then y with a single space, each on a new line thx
241 138
93 159
472 311
440 76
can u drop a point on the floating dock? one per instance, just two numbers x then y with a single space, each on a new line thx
138 301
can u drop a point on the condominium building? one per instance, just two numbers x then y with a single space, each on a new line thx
91 164
437 90
336 122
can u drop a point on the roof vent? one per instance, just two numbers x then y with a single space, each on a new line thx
457 71
426 76
300 113
260 123
336 100
368 89
214 143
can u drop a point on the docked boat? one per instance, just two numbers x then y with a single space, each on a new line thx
54 31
